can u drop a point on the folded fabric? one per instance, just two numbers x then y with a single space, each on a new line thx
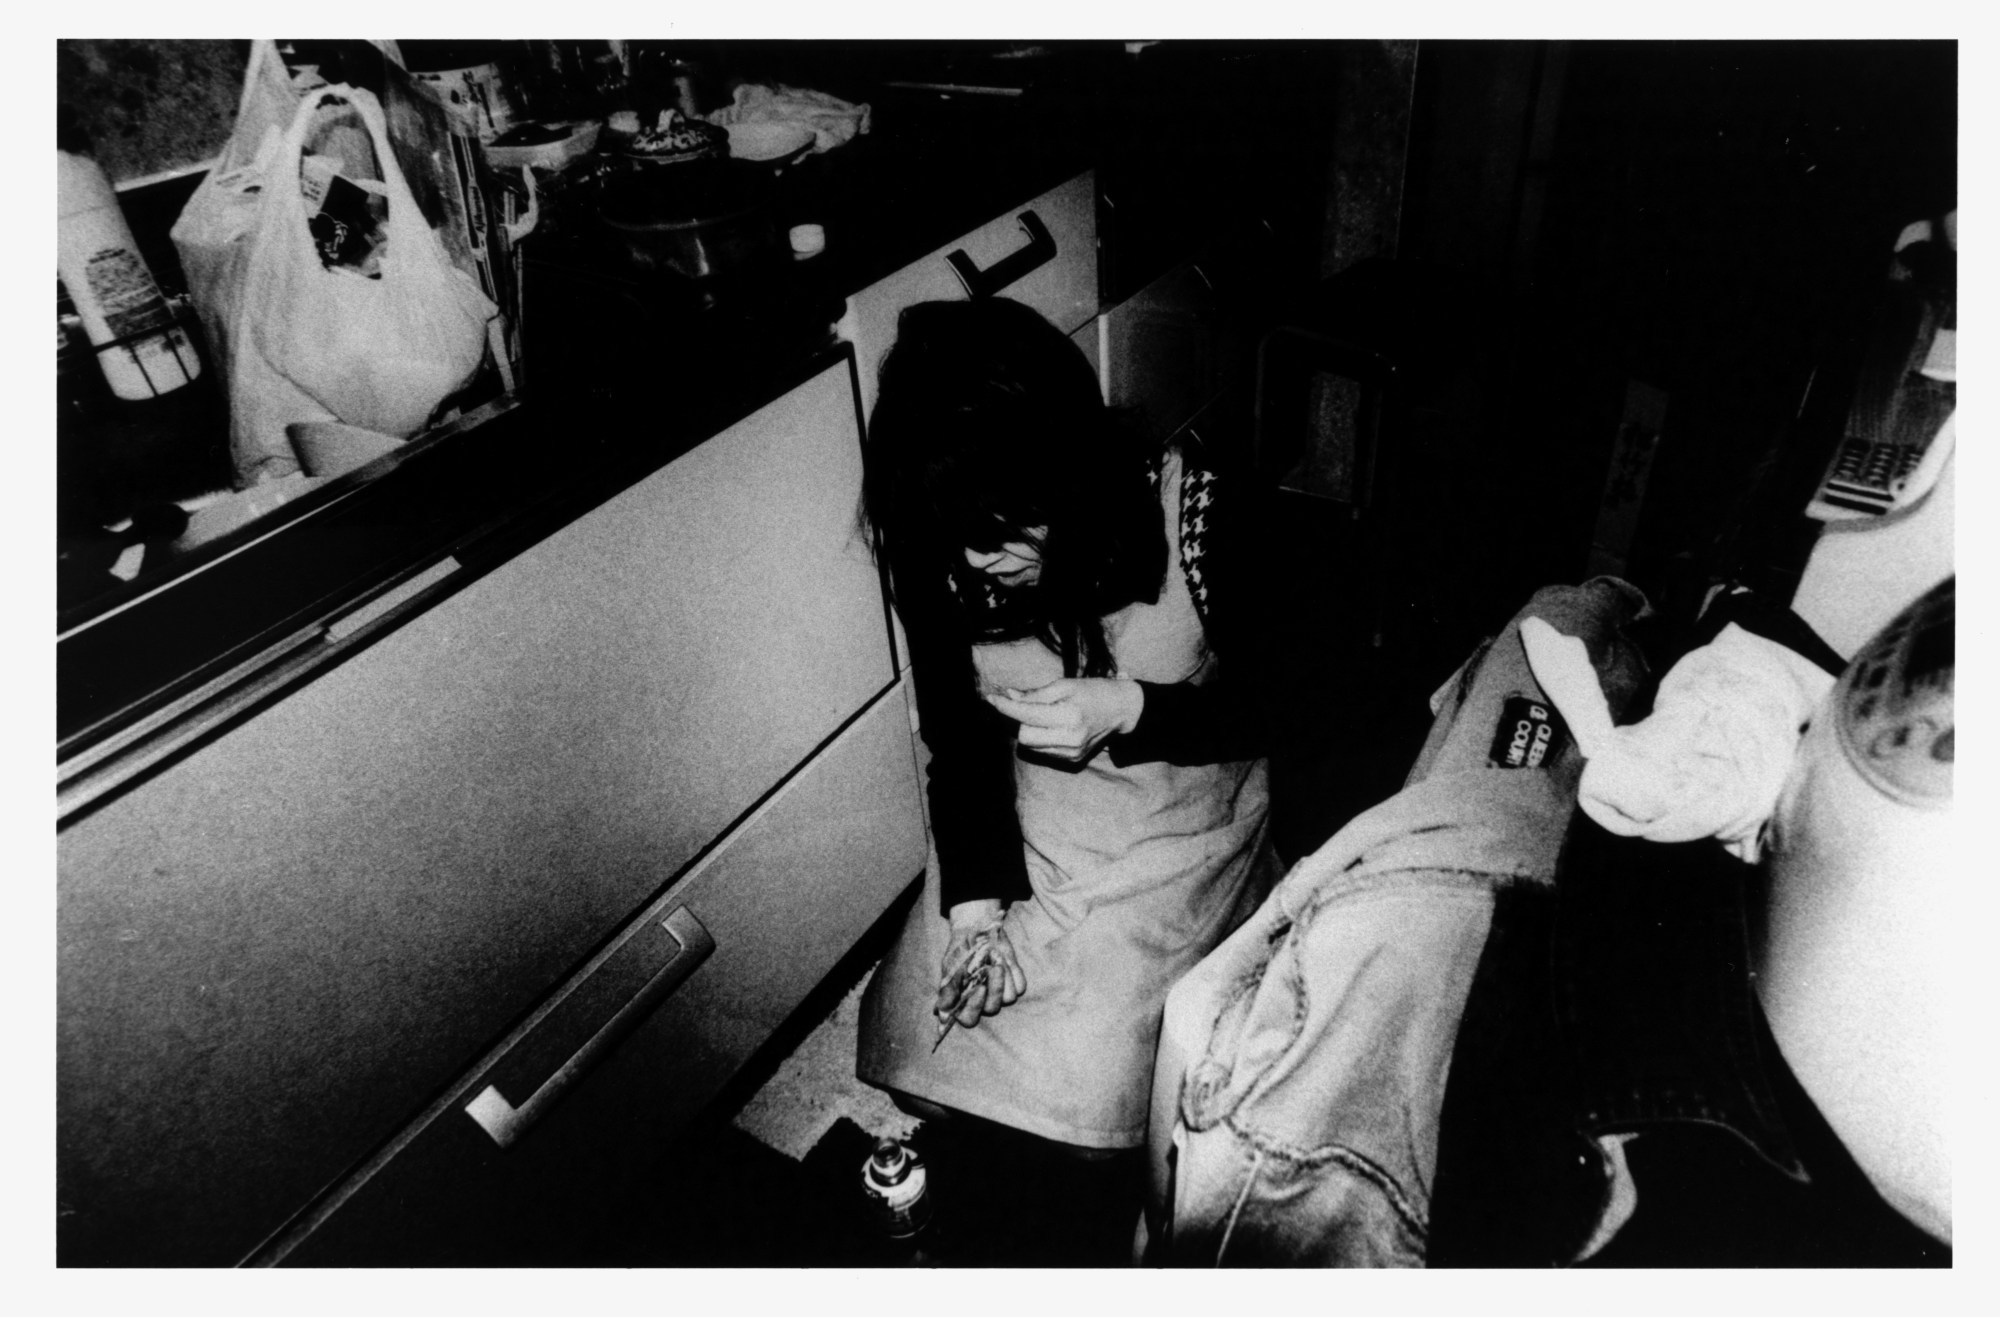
1710 760
831 120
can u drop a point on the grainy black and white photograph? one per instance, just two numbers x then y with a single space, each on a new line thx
909 653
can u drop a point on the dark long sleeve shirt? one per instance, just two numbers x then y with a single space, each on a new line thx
1237 716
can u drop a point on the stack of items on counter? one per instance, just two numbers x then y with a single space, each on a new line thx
557 137
379 296
491 214
334 255
633 145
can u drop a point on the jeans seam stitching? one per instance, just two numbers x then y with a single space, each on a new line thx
1456 880
1347 1157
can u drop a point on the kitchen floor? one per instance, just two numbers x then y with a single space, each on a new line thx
725 1196
999 1200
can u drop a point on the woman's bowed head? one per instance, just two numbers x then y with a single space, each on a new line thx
1012 503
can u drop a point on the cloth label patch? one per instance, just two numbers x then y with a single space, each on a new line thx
1529 735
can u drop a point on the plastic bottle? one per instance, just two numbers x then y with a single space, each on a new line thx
140 349
893 1177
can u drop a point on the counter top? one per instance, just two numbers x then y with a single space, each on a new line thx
930 170
622 374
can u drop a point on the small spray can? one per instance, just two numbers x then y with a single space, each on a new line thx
893 1178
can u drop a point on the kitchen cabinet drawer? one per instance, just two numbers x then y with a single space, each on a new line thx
783 896
1062 283
277 949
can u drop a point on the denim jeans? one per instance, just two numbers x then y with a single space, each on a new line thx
1302 1065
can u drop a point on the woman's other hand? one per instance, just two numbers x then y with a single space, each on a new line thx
980 973
1068 719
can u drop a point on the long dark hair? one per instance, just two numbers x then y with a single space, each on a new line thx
988 429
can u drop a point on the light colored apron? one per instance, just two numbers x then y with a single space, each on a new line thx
1136 874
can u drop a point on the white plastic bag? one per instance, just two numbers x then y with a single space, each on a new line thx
224 208
212 237
298 341
380 353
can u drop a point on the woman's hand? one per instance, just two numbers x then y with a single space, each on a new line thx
980 973
1068 719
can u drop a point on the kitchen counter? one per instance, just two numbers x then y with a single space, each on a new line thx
930 169
622 374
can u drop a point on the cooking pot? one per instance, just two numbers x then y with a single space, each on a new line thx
699 219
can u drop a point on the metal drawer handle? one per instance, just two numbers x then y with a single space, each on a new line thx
505 1122
1041 249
